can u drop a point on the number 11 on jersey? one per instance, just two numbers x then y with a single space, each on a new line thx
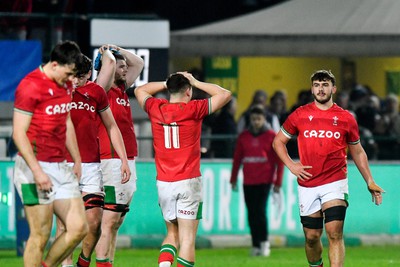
171 135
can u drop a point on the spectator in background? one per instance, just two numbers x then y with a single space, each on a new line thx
260 97
342 100
224 124
303 97
14 28
262 169
278 106
387 129
367 114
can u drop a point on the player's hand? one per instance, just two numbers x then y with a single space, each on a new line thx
103 48
234 187
125 173
77 170
189 76
43 181
376 192
277 199
300 171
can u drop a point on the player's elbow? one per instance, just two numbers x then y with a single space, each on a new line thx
275 144
227 96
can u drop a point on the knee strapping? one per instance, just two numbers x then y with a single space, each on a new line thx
117 208
337 213
312 223
93 201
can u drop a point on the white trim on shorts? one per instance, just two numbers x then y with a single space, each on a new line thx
311 199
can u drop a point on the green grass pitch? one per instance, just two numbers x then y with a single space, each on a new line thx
364 256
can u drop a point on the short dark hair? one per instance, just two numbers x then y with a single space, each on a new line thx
65 53
323 75
177 83
257 109
83 65
117 55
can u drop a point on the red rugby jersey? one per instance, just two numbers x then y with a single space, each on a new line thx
260 163
87 102
323 137
176 131
121 109
49 105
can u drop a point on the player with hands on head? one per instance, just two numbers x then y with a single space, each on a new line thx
92 96
43 131
119 192
324 132
176 127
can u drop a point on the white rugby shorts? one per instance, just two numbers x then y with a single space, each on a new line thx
116 192
181 199
65 183
312 198
92 179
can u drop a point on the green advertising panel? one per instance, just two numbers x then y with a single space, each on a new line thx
224 211
222 71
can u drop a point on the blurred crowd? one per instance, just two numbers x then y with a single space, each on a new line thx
378 119
51 21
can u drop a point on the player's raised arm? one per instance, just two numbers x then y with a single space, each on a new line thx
135 65
105 77
219 96
147 90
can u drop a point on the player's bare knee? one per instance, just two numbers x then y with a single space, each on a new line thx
334 235
39 240
79 229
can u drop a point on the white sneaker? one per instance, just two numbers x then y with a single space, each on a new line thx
265 250
255 251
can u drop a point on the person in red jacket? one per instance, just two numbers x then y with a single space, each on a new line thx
262 169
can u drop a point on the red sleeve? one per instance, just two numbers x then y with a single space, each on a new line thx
202 107
103 99
237 159
26 97
289 127
354 136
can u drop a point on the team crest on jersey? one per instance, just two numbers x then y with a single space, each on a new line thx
335 120
310 117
